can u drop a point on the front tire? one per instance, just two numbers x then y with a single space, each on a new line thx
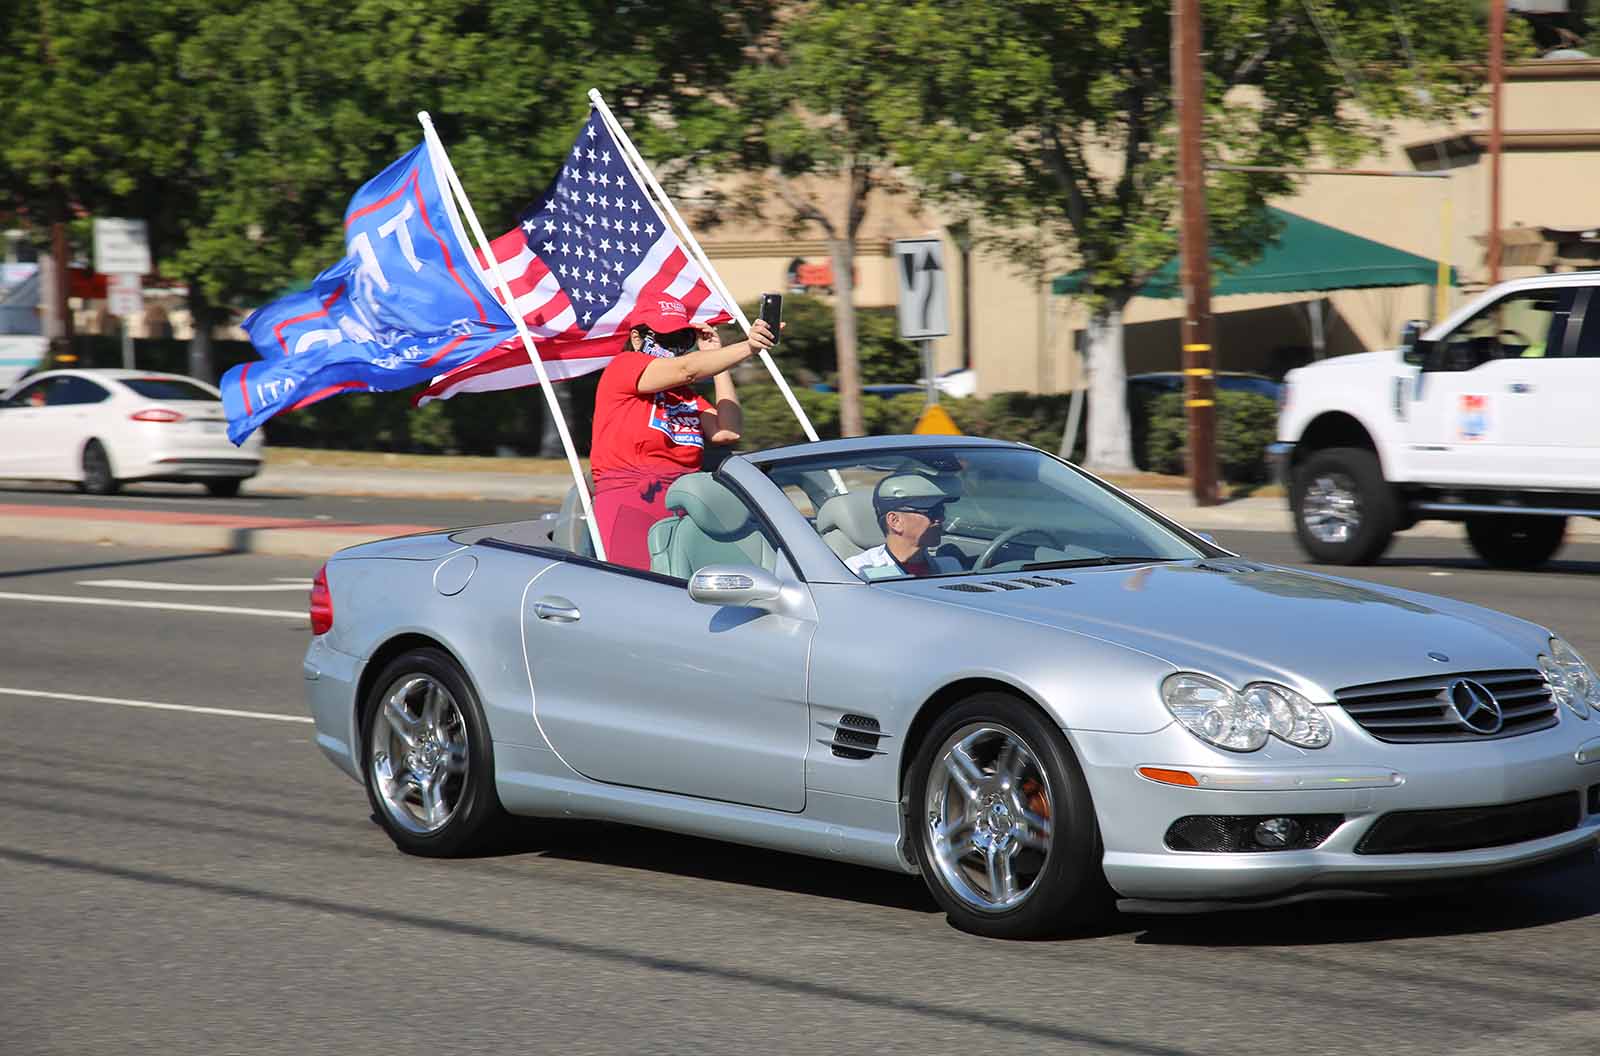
1516 541
96 466
1344 511
428 762
1002 823
223 489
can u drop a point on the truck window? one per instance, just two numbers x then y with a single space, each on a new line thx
1526 325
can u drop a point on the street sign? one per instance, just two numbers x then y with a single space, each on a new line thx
924 294
124 295
935 421
121 247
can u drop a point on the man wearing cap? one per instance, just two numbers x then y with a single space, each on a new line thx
910 509
651 427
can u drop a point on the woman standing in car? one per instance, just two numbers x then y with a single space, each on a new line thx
651 427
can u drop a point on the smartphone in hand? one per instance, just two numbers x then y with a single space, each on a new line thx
772 312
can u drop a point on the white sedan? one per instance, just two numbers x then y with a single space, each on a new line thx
103 428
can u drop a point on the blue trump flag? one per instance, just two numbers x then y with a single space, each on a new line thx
405 304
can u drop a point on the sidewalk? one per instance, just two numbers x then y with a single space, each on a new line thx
292 536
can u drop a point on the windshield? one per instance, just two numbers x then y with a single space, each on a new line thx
170 389
951 511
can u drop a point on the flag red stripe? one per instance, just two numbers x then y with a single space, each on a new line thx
277 331
445 249
324 393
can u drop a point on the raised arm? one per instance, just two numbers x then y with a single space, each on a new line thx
663 374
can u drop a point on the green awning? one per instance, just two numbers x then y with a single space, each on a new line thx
1307 256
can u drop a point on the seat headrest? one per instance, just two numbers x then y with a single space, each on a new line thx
852 514
713 508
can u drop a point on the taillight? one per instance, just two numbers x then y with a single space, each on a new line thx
321 603
156 414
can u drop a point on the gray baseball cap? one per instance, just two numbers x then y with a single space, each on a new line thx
908 491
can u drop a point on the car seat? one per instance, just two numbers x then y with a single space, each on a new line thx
571 531
715 529
849 524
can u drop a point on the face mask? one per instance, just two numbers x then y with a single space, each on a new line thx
653 348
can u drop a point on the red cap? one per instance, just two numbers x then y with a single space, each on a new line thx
661 314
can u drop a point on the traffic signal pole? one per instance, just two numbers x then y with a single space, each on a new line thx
1195 266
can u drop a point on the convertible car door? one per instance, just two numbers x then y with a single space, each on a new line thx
636 684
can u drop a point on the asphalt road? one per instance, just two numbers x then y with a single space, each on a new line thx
202 881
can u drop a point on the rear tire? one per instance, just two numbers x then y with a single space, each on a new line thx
1345 513
1002 823
427 760
1516 541
96 465
223 489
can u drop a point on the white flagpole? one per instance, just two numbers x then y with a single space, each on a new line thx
460 195
631 153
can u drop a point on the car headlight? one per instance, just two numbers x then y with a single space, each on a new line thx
1242 721
1572 681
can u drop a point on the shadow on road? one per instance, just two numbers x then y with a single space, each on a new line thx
626 847
1564 892
93 566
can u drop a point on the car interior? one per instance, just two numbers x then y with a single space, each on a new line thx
995 520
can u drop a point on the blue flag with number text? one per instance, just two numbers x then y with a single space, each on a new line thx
405 304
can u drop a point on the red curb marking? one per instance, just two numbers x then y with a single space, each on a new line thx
218 520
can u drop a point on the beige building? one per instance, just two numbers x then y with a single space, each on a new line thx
1023 337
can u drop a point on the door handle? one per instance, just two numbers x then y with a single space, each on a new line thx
556 610
1520 387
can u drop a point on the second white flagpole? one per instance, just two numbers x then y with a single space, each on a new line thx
633 156
455 188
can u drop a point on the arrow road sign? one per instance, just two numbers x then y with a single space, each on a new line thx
924 295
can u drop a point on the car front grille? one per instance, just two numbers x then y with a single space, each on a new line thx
1418 710
1468 828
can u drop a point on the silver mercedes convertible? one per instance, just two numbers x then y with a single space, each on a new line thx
960 658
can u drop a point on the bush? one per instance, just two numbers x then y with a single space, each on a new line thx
1246 424
808 352
1026 417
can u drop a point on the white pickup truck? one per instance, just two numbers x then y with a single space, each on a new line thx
1491 417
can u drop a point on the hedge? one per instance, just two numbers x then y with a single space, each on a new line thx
1246 423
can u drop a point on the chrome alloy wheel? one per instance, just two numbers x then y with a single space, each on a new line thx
419 754
988 809
1331 509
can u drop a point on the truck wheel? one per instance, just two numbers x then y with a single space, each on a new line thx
1344 511
1514 540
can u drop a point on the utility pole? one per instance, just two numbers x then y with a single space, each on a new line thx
1497 76
1198 356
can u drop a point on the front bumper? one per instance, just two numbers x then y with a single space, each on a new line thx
1279 455
1135 813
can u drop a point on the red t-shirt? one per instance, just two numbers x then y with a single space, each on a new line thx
656 432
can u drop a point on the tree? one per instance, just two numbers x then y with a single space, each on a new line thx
1057 117
809 107
241 131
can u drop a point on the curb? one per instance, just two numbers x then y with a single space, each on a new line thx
281 537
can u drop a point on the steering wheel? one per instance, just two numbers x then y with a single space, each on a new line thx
1008 536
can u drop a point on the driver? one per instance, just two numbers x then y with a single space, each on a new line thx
910 509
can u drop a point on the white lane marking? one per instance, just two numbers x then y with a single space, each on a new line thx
155 705
150 584
172 606
1438 573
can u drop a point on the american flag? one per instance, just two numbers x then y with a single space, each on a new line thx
580 258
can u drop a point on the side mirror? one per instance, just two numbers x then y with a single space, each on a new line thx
1412 346
743 585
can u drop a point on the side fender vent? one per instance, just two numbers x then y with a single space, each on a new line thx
853 736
